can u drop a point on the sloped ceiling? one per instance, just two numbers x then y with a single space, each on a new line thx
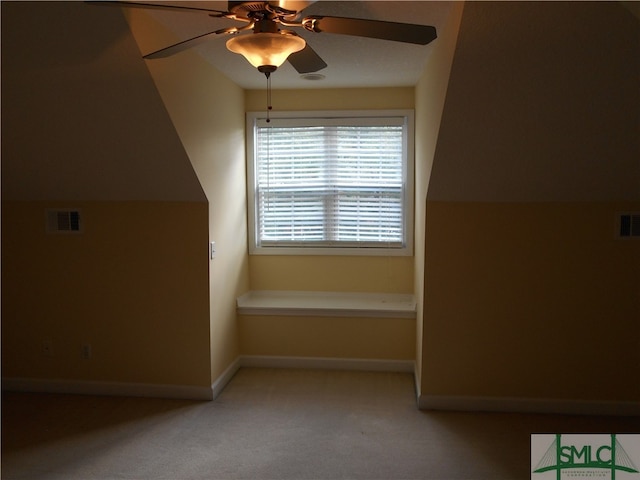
81 117
544 112
543 104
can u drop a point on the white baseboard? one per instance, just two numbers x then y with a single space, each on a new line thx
373 365
527 405
425 402
189 392
218 385
82 387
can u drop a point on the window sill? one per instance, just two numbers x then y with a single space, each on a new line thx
327 304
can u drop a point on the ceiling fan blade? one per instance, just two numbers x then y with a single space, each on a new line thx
397 32
184 8
306 60
179 47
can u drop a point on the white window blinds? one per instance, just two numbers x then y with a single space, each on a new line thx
330 182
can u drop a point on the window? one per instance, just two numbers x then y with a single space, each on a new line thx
331 183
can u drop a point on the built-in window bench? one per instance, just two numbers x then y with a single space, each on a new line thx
327 304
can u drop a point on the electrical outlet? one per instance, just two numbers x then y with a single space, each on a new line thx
85 351
47 348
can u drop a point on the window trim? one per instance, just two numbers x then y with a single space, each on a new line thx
408 201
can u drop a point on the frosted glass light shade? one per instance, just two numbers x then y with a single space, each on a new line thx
266 48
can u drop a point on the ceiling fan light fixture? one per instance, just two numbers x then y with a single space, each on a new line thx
266 49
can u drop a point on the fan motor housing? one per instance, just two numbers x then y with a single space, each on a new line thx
245 9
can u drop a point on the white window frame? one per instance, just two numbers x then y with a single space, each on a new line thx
252 118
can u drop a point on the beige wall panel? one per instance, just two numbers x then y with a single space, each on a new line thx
332 274
531 300
328 337
133 285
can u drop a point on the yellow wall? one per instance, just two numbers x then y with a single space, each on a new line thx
133 285
325 273
429 103
84 127
332 274
527 291
207 110
531 300
331 99
330 337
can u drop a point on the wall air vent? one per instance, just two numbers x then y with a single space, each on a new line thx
629 225
64 221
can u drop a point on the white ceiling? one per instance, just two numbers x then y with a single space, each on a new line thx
352 61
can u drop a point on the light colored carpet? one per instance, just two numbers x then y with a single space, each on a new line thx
274 424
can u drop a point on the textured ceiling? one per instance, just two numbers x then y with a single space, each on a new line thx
352 61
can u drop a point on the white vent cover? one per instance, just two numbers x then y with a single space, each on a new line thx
64 221
629 225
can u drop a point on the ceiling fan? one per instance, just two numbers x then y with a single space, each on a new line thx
269 45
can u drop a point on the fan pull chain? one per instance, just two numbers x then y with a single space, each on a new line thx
269 106
267 70
268 199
